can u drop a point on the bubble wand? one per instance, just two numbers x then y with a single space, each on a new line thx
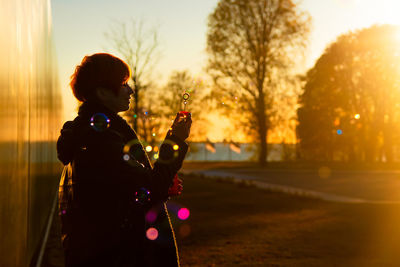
183 114
185 97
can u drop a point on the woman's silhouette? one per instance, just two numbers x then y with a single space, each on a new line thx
108 183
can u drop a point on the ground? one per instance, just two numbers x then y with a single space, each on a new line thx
239 225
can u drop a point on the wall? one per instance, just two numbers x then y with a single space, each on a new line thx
30 113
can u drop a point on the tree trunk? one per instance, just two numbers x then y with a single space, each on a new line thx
262 132
262 159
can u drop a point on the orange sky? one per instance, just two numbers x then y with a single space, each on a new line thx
79 28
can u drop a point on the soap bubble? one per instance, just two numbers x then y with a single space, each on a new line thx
197 81
142 196
100 122
186 96
133 151
169 153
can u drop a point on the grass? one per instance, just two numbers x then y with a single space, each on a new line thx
240 225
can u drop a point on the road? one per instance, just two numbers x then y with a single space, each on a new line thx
355 186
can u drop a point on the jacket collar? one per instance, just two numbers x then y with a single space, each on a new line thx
87 109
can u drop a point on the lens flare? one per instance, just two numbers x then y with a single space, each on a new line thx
183 214
149 148
184 230
336 122
152 233
151 216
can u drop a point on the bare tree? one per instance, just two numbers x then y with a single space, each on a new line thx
171 101
251 45
139 48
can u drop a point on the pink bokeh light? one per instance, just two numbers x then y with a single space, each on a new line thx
151 216
152 233
183 214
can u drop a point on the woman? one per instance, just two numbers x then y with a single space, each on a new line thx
108 184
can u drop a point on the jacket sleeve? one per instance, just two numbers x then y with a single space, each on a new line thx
123 171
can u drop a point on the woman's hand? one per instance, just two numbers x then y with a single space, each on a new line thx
181 125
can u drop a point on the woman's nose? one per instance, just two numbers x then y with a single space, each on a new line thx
130 90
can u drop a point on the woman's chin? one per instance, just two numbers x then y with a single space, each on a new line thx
124 108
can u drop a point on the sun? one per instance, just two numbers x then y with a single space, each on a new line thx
386 11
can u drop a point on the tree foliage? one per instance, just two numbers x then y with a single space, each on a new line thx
252 44
350 104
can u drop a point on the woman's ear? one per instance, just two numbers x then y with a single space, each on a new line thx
101 93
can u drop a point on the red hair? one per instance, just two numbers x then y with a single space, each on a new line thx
98 70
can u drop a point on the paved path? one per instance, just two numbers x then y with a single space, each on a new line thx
378 187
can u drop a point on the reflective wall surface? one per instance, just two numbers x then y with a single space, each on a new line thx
30 113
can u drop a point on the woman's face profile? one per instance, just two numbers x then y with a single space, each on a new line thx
116 102
123 97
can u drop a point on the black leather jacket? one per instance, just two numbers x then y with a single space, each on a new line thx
103 221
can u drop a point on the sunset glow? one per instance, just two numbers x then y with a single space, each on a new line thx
243 132
330 19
